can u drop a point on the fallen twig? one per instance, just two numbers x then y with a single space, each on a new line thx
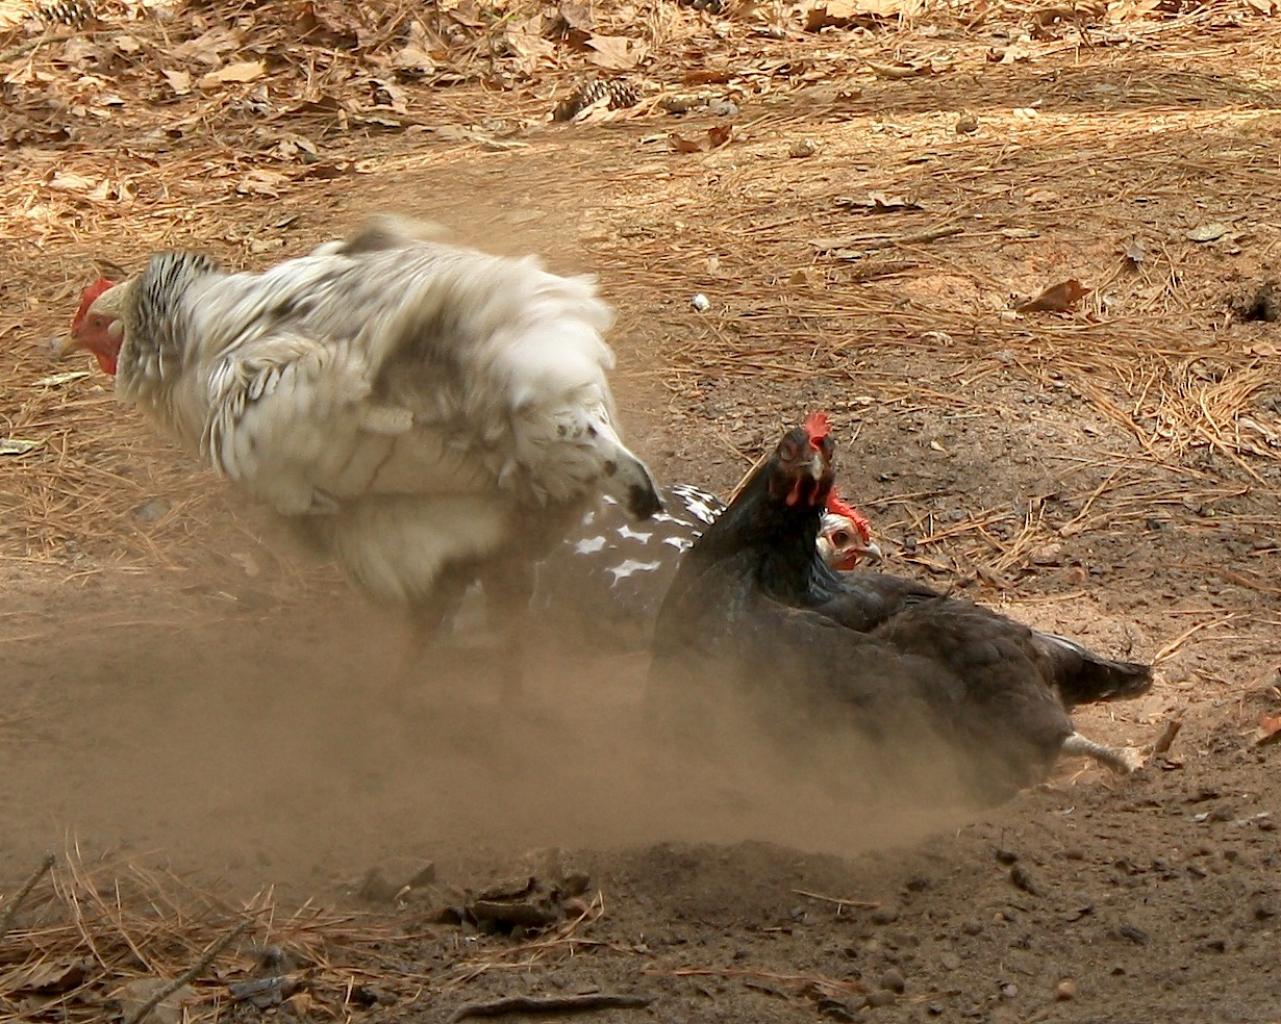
160 995
1173 646
6 921
552 1004
827 985
841 903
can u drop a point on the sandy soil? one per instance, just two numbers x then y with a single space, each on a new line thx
201 702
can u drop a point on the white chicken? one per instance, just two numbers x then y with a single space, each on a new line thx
413 407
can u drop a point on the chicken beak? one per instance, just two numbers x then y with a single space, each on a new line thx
818 466
63 345
871 551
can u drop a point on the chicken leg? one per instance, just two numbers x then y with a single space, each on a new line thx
1122 760
429 619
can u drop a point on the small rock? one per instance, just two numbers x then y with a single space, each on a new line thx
894 981
1208 232
1263 910
802 148
885 915
882 998
150 511
1022 880
971 927
701 303
1134 933
272 960
950 961
1216 945
918 884
375 888
966 124
1006 856
1074 853
1262 303
372 995
1009 990
834 1009
723 108
263 992
1223 812
575 884
1065 990
529 913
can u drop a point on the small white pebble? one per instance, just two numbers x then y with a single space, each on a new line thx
701 302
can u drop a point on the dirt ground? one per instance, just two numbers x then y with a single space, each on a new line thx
177 693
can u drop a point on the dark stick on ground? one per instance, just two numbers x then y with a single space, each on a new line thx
6 920
552 1004
160 995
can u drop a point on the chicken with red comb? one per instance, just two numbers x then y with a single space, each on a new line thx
754 612
420 412
607 578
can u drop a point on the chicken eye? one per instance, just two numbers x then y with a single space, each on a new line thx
840 537
787 450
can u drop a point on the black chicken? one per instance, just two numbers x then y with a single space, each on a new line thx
754 608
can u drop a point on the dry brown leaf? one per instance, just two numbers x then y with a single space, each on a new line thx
51 977
262 182
1269 730
240 71
414 58
528 47
616 53
208 47
179 81
720 135
1058 298
65 181
878 202
573 21
849 13
899 71
680 144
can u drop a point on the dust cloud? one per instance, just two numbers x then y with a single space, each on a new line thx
273 748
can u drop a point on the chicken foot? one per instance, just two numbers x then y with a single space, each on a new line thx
1122 760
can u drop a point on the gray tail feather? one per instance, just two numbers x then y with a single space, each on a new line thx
1084 677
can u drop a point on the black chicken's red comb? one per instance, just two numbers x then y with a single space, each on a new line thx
817 427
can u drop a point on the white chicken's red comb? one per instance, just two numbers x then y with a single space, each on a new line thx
838 506
88 297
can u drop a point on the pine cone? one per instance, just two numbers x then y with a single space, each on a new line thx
617 94
72 13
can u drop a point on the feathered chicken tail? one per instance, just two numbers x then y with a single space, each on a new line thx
1084 677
